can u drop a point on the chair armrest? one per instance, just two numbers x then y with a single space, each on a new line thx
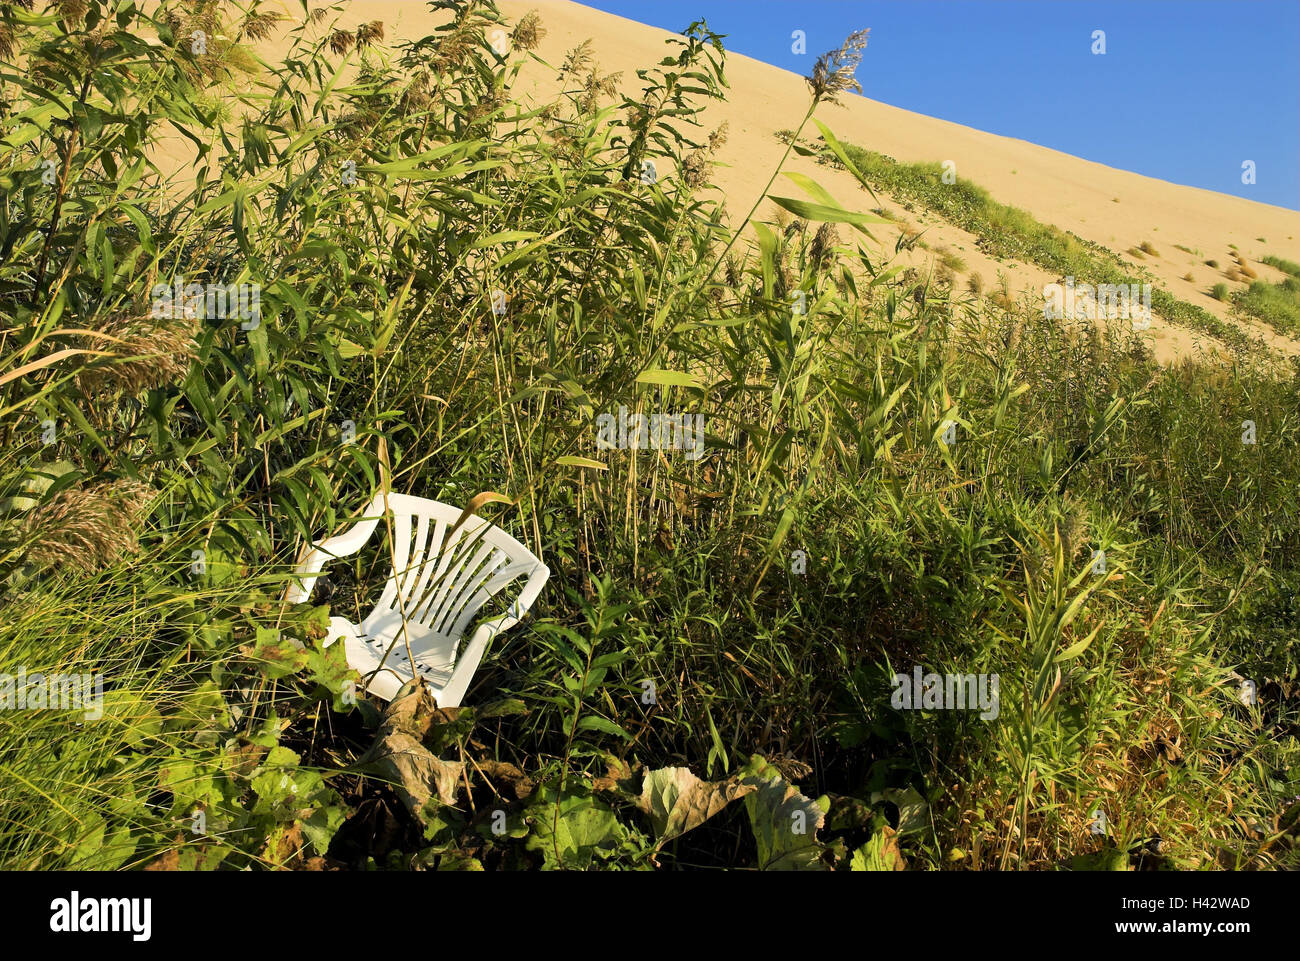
468 660
341 545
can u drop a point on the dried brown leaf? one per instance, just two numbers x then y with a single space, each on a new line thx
678 801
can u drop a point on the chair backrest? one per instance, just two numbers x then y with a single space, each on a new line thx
440 577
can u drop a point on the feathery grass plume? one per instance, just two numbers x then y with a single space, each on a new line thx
718 138
951 260
154 351
596 86
528 32
171 20
205 17
787 279
732 272
72 11
695 169
7 36
975 284
369 33
488 104
833 72
341 42
455 49
416 95
259 26
822 249
1075 530
576 60
317 15
86 528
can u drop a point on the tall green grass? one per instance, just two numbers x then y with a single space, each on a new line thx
679 627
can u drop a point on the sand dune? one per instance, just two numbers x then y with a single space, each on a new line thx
1115 208
1057 188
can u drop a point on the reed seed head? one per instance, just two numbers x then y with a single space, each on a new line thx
833 73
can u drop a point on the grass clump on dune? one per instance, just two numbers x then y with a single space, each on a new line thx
1275 304
1007 232
952 260
1286 266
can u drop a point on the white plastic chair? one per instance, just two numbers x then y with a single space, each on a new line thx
433 593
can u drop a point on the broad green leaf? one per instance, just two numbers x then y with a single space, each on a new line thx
825 213
505 237
879 854
571 831
1078 647
784 822
837 148
912 808
276 654
669 378
569 460
813 189
593 722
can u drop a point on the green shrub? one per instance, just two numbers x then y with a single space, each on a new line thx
1286 266
1275 304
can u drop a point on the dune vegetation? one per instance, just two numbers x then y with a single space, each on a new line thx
452 284
1010 233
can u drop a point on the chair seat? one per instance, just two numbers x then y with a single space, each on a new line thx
447 563
434 655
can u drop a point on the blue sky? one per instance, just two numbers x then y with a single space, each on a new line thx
1186 91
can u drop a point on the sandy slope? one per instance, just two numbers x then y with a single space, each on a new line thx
1056 188
1113 207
